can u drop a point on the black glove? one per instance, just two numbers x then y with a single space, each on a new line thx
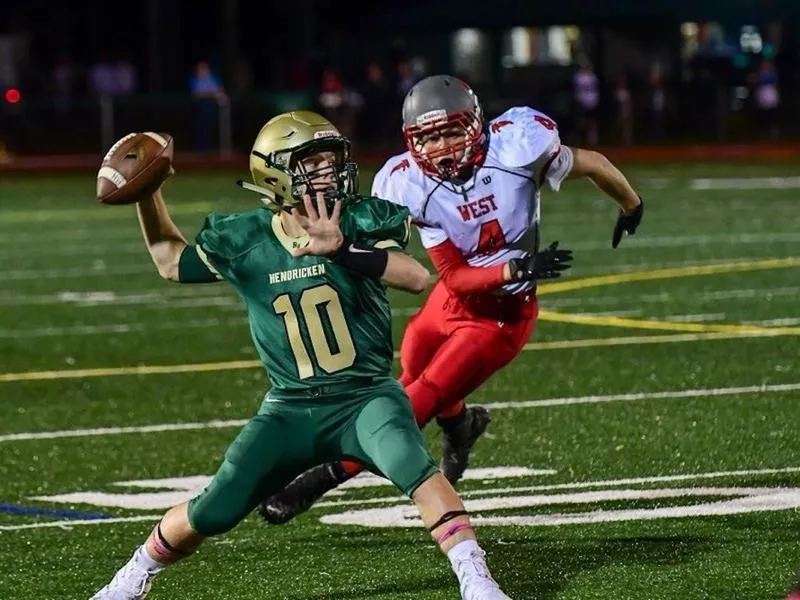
546 264
627 223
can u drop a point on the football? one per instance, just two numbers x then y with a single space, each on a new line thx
134 167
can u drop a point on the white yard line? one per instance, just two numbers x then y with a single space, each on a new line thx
783 322
164 295
745 183
160 325
791 292
694 318
98 267
80 272
613 483
214 294
695 393
101 431
92 247
564 401
692 240
137 327
73 523
577 485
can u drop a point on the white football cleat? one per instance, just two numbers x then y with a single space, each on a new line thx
132 582
476 580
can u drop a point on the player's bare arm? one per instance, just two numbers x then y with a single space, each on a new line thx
602 172
164 240
404 272
326 239
607 177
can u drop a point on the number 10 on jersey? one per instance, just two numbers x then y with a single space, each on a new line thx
313 302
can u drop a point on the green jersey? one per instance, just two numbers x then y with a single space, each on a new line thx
310 319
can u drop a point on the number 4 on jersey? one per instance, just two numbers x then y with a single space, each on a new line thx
491 237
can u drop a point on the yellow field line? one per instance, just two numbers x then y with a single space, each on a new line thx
533 346
671 273
139 370
692 331
610 321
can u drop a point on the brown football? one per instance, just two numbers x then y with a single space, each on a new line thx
134 167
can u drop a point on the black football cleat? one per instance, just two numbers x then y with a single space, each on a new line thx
301 493
460 434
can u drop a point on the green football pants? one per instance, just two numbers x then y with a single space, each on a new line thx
371 424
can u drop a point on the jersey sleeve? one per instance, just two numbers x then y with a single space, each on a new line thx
379 223
380 183
461 278
529 139
553 167
430 235
194 267
215 246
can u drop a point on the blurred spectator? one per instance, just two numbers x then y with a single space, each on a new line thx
767 98
241 77
297 74
379 106
112 78
587 98
64 84
204 83
338 102
331 91
102 80
419 67
125 75
657 101
208 93
704 107
624 110
405 78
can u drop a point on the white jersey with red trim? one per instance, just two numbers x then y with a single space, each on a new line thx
494 216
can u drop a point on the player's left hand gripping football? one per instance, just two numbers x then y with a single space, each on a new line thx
627 223
323 231
547 264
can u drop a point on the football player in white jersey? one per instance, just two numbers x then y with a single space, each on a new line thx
473 189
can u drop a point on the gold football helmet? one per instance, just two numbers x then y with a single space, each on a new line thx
276 167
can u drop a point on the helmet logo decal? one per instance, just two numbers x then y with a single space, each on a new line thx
431 115
325 133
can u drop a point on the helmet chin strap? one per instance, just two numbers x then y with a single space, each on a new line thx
268 197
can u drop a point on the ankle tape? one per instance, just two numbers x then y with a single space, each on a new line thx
164 549
448 516
451 531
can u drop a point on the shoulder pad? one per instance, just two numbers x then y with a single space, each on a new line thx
520 136
230 235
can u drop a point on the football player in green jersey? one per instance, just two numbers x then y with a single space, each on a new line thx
311 267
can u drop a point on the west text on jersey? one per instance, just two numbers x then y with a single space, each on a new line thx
477 208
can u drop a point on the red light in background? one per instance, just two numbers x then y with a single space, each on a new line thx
13 96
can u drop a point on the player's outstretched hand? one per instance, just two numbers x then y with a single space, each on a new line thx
627 223
547 264
324 235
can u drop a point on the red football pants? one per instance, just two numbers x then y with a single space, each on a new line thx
454 344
